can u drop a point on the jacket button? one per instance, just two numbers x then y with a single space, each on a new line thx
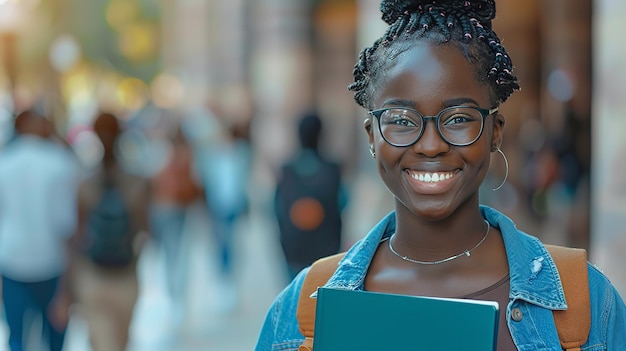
516 314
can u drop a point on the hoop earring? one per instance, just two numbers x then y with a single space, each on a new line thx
506 174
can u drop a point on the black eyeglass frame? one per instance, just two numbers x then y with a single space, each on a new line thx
483 112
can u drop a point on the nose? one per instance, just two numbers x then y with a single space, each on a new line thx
431 143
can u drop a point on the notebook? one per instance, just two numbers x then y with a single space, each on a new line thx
371 321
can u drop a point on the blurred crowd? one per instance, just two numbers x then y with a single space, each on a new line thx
77 208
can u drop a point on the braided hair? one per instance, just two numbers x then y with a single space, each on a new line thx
464 23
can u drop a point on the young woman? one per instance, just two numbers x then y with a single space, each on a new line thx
433 85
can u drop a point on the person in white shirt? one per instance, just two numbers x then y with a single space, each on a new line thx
38 184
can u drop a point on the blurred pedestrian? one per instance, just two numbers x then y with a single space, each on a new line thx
224 169
175 189
38 183
112 222
309 200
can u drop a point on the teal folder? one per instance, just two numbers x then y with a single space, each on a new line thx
369 321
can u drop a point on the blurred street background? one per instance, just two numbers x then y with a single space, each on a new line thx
205 326
237 75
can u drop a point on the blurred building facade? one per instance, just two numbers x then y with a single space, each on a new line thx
266 61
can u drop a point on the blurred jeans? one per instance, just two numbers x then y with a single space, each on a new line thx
29 298
224 232
167 223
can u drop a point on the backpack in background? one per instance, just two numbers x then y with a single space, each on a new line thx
110 230
308 211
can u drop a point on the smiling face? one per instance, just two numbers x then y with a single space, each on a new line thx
432 179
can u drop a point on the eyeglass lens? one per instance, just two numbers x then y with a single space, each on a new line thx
458 125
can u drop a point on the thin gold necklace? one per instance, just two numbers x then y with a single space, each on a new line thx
464 253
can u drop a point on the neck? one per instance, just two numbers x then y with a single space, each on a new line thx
426 239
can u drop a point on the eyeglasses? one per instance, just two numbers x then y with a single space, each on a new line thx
457 125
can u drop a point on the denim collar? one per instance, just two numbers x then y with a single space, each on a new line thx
533 273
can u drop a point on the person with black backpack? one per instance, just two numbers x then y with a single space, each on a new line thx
112 220
309 201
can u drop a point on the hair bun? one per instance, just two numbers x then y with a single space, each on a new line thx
394 9
483 10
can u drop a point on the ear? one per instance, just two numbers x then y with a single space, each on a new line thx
368 129
498 130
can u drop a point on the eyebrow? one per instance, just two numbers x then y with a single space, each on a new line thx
400 103
447 103
460 101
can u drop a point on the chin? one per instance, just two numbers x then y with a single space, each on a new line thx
427 210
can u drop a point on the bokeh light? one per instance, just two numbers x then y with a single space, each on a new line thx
167 90
138 41
120 13
132 93
64 53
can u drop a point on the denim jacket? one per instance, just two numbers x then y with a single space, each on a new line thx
535 291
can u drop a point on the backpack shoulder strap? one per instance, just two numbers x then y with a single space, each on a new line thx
574 323
317 276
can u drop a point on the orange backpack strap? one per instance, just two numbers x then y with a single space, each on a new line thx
574 323
317 276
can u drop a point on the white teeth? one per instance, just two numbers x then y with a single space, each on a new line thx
432 177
